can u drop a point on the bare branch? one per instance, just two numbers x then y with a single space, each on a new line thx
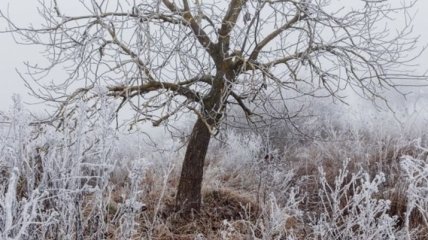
200 34
229 22
254 55
129 92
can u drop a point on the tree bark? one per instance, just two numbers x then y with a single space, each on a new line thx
190 184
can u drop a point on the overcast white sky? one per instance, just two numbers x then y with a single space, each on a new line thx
12 56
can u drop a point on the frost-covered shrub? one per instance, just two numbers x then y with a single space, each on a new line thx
415 173
278 218
20 198
57 181
349 208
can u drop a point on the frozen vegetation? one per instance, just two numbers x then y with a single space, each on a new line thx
335 180
255 145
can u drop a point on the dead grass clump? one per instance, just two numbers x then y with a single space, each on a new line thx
230 205
218 205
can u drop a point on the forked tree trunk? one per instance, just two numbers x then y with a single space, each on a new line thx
190 185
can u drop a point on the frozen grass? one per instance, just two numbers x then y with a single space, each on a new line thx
350 181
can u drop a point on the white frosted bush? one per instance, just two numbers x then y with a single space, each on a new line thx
276 216
415 172
350 208
57 180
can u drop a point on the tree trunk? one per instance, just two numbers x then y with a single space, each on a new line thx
190 185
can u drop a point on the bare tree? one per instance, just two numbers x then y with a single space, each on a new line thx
166 58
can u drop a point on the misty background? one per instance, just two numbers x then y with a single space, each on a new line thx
13 57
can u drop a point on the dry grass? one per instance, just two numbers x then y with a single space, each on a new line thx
237 194
234 209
